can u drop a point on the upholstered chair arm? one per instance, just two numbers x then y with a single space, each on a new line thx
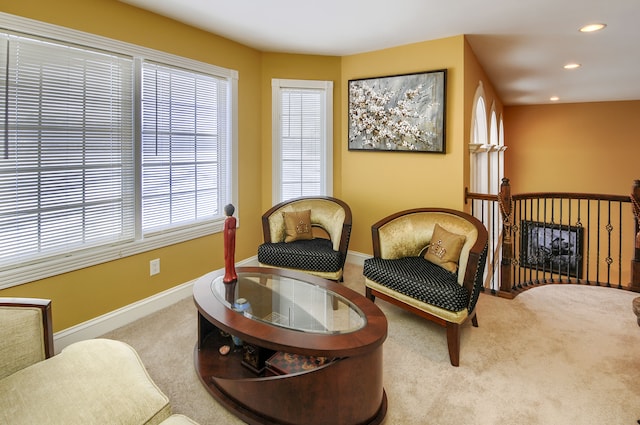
266 231
474 275
26 333
344 238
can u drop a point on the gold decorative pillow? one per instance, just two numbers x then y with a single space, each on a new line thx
297 225
444 249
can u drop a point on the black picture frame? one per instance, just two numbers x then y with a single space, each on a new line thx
399 113
553 248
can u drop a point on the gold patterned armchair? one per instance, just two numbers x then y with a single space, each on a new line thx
309 234
430 262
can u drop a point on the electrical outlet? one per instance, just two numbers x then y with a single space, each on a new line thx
154 267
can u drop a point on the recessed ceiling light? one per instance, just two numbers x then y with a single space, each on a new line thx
592 27
572 66
554 98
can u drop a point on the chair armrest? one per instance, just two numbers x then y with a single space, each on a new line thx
474 275
26 332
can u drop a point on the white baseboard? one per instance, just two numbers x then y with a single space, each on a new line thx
123 316
117 318
357 258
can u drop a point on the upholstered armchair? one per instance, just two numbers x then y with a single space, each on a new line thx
309 234
430 262
95 381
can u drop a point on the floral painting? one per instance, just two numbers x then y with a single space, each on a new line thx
398 113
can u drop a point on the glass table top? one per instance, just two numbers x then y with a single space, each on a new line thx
289 303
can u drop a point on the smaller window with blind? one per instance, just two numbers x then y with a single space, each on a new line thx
183 146
302 138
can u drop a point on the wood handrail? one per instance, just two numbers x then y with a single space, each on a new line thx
571 195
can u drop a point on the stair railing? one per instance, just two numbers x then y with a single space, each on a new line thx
557 237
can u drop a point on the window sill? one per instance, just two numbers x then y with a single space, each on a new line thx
74 261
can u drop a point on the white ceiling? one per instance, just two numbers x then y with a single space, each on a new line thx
521 44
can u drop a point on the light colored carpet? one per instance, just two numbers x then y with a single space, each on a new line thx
558 354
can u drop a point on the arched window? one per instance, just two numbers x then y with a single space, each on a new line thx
494 182
487 170
477 147
502 149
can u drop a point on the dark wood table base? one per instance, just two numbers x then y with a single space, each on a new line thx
345 388
342 392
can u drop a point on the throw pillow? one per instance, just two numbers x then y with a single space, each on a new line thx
444 249
297 225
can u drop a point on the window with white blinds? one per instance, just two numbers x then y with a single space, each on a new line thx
302 138
106 149
66 171
183 146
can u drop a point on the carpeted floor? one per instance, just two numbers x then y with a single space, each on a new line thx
558 354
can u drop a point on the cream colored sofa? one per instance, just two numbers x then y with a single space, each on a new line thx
98 381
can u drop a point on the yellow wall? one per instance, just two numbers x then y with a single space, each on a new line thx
84 294
376 184
576 147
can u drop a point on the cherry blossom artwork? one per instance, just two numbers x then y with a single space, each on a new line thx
398 113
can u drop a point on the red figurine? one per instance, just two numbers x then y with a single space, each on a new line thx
230 275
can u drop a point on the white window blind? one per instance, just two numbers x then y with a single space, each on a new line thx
71 149
66 174
302 158
183 146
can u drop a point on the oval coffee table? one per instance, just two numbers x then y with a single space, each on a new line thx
311 348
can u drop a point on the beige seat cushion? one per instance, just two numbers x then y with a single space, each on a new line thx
449 316
97 381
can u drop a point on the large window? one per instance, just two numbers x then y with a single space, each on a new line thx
106 149
302 138
66 175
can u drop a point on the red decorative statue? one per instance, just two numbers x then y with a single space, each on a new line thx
230 275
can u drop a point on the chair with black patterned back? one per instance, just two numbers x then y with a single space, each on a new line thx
309 234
